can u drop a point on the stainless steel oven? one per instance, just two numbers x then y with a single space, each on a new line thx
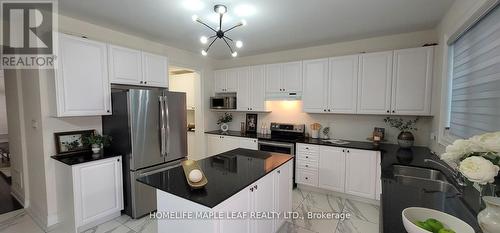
278 147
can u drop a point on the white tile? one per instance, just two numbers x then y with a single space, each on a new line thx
362 211
109 227
298 197
289 227
142 225
123 218
19 224
354 225
326 202
316 225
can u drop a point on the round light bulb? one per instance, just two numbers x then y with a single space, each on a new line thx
194 18
204 53
221 9
239 44
243 22
203 39
234 54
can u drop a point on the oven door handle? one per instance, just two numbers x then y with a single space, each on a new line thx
287 145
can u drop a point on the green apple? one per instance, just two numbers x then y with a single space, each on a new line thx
445 230
434 224
424 226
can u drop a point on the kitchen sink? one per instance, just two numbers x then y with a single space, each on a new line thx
429 180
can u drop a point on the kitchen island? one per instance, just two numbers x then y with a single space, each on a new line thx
247 191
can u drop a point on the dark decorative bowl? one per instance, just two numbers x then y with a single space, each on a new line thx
406 139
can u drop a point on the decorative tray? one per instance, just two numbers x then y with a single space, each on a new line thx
188 166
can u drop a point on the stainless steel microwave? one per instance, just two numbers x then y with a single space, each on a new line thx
223 102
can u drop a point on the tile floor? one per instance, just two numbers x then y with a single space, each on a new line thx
364 218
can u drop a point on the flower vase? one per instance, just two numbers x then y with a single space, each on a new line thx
96 148
489 218
406 139
224 127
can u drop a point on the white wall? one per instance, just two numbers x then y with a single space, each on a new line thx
457 15
3 109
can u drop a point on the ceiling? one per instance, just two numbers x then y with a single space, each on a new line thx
273 25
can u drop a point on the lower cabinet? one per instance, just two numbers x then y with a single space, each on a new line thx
272 193
217 144
351 171
89 193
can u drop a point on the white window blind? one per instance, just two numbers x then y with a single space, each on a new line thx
475 89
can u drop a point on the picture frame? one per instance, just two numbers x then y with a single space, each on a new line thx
71 141
251 123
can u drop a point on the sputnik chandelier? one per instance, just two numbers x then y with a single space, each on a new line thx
219 32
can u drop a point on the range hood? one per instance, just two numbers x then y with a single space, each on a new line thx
284 96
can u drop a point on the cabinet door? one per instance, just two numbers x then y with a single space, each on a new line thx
332 168
230 143
263 201
214 145
292 76
82 70
343 86
374 85
232 80
360 173
258 88
274 78
282 192
411 83
220 81
243 95
125 65
98 190
248 143
240 202
155 69
315 92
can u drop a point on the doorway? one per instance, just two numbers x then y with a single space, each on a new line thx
7 201
188 81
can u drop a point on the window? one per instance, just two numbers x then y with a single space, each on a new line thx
475 79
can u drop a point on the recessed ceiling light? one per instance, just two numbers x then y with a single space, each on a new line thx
245 10
193 5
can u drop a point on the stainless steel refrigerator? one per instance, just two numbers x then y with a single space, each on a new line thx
149 129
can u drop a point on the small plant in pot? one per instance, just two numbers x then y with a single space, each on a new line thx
96 141
405 137
223 120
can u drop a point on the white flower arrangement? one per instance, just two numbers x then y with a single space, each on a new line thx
478 158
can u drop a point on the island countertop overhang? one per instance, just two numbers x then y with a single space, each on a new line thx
227 174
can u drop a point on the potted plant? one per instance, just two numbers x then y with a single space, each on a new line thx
405 137
96 141
326 133
478 160
223 120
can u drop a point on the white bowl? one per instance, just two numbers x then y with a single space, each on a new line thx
413 214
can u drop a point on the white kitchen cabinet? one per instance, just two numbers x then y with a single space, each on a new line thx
262 200
374 84
240 202
378 178
125 65
343 85
332 168
282 195
315 96
217 144
90 193
360 173
248 143
155 70
306 168
134 67
81 83
226 81
412 81
257 88
243 93
284 78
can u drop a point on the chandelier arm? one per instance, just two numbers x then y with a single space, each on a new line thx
229 38
199 21
231 49
210 45
212 36
233 27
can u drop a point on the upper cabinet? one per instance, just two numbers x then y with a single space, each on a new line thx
134 67
284 79
226 80
374 84
251 89
330 85
82 86
411 82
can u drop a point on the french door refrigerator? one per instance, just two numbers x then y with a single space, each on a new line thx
148 128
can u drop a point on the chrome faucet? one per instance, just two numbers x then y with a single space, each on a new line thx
456 174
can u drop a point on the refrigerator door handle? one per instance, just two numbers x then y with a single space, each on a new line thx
162 126
167 120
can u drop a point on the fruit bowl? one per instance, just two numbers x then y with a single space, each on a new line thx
412 215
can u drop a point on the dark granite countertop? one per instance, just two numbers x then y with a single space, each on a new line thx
227 173
82 157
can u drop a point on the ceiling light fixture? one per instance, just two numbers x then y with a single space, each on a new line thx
219 33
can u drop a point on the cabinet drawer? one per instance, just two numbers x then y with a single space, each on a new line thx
308 148
307 157
307 177
307 165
